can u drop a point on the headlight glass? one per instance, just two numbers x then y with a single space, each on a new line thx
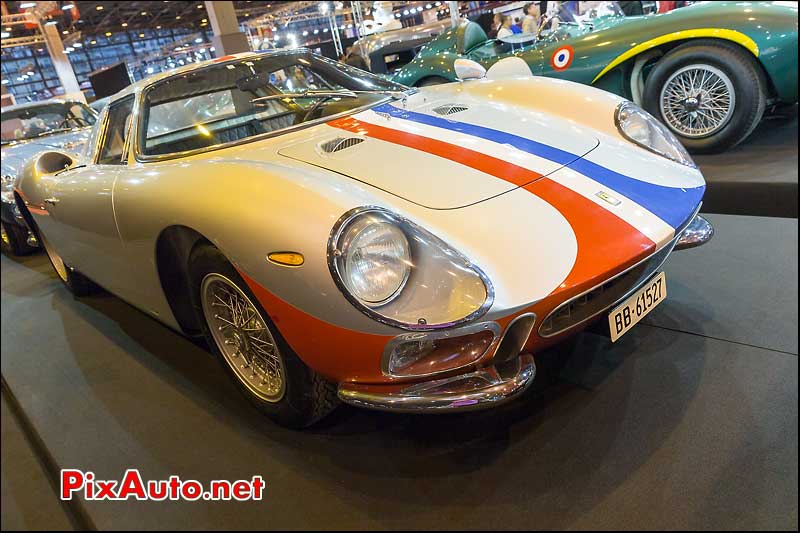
376 260
638 126
400 274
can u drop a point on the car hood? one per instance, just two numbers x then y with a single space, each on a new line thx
416 151
15 154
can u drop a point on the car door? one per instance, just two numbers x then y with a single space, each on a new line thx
81 206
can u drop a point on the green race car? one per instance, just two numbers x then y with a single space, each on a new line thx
708 71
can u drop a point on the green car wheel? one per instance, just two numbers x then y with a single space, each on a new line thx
711 94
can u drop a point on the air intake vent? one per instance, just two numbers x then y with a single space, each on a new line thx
449 109
340 143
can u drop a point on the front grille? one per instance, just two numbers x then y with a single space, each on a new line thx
587 305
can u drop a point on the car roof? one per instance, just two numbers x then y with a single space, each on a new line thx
155 78
29 105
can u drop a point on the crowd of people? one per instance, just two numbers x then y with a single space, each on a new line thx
503 25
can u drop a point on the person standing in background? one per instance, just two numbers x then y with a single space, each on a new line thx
505 27
517 26
530 23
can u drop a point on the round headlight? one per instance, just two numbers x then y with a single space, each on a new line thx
638 126
401 274
375 259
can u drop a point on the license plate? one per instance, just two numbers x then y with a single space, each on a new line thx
628 313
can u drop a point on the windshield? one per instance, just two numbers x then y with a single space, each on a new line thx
45 119
225 103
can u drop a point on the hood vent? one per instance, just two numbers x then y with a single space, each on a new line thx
340 143
449 109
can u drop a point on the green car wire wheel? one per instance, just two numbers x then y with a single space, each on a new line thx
711 94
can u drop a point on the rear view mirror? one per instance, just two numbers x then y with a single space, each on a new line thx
467 69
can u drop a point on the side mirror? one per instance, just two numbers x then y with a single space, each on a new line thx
467 69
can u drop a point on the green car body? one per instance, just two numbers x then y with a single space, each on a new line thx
617 53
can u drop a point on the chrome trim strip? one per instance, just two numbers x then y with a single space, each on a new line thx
332 248
494 327
481 389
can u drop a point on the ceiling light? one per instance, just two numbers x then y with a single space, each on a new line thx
108 34
65 32
124 24
99 8
93 41
51 23
143 13
4 34
78 45
178 17
141 35
27 5
67 7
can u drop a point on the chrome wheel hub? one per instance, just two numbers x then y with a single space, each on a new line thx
697 101
243 338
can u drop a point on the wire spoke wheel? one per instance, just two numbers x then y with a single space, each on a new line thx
697 100
243 338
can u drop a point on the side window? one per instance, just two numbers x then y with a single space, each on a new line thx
114 137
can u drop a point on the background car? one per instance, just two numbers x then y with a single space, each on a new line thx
331 233
387 51
26 130
708 71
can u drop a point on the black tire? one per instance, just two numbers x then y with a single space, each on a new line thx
308 397
78 284
432 80
745 75
15 240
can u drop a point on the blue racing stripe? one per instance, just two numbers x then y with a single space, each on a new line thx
673 205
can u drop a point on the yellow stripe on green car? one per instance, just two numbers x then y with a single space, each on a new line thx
719 33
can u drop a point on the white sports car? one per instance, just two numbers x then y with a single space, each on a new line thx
333 234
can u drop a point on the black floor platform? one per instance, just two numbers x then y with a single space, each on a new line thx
758 177
690 421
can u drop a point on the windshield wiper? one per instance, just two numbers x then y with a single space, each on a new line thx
50 132
305 94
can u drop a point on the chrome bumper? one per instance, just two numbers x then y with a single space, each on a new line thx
486 387
698 232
